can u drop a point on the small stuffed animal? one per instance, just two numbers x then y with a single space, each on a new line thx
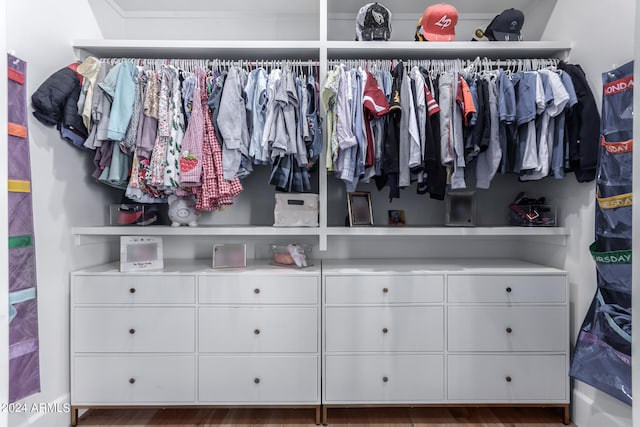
182 210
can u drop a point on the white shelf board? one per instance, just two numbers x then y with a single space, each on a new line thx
201 230
438 50
448 231
198 49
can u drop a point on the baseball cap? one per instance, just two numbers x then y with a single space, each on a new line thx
373 22
506 26
438 23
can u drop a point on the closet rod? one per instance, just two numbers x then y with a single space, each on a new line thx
232 62
532 63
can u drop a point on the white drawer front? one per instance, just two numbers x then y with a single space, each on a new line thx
384 328
492 378
254 289
132 379
138 329
255 379
507 328
506 289
384 378
134 289
388 289
258 330
530 328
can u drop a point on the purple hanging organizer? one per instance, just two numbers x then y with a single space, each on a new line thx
24 366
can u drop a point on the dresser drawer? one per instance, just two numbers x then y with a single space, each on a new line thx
128 380
384 378
385 289
254 289
529 328
258 379
138 329
258 330
134 289
384 328
506 289
488 378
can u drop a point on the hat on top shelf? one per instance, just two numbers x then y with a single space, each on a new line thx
438 23
506 26
373 23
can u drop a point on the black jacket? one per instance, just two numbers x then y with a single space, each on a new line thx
56 101
583 127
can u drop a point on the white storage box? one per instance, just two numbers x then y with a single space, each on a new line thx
296 210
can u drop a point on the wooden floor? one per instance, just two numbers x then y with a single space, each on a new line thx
387 417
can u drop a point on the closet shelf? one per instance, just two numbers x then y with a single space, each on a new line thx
449 231
198 49
201 230
463 50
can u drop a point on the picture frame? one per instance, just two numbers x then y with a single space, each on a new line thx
461 209
396 217
360 212
140 253
229 255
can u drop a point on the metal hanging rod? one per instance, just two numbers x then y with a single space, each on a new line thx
220 63
529 64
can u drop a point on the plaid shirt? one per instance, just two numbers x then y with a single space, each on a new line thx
215 192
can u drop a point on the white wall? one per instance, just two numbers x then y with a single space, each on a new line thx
40 33
601 40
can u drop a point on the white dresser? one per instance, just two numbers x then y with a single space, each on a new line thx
190 335
464 332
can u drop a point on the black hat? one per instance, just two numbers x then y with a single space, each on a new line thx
506 26
373 22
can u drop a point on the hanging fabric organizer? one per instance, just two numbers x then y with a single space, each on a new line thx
24 365
158 127
602 356
446 124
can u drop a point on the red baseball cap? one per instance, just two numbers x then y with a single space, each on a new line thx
439 22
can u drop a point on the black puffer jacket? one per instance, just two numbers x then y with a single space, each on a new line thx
56 101
583 127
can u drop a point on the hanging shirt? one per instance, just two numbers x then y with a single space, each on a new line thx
329 97
488 161
409 143
375 105
89 69
507 114
232 123
446 101
547 128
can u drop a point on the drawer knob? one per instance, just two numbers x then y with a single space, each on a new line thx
508 289
508 379
256 331
385 379
385 330
509 330
256 380
132 290
132 331
256 291
132 380
385 290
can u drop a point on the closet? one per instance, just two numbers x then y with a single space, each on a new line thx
322 31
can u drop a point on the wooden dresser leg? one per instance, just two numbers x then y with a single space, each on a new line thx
567 416
325 415
318 410
74 416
